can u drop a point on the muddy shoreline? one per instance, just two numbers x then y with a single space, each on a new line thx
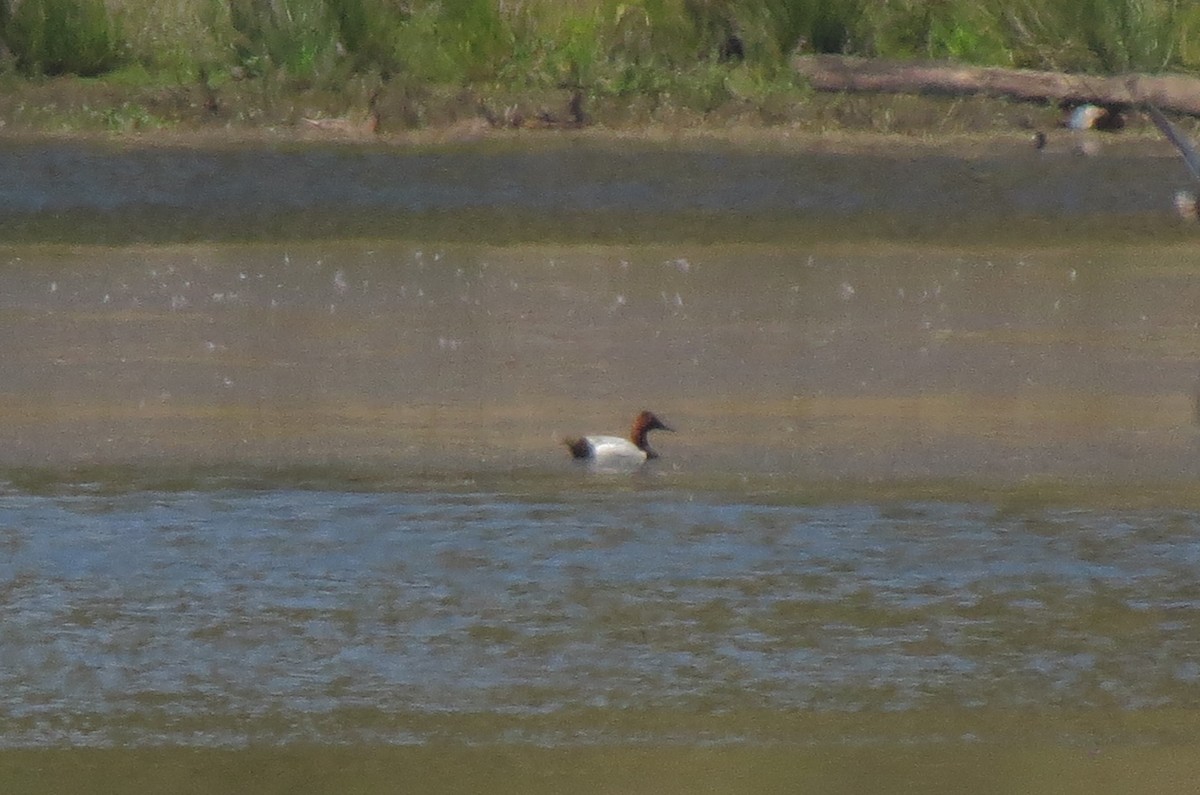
247 113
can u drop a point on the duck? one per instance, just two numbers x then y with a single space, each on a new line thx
1106 118
617 451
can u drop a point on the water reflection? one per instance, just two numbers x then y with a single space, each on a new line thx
243 186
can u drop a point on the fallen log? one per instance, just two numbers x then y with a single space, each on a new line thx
1177 93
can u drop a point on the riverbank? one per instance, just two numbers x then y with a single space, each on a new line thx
254 111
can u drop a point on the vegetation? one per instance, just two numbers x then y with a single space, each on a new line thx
62 36
695 54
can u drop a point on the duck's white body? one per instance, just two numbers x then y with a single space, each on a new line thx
616 452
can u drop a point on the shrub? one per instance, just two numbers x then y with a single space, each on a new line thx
368 30
296 37
453 41
64 37
1104 35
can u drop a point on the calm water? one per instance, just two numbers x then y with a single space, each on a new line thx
314 492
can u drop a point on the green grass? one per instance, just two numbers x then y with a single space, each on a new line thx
471 41
660 52
63 37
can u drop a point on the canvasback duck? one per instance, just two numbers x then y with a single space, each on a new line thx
615 451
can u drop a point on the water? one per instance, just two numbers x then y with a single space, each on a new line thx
578 188
933 501
231 616
847 362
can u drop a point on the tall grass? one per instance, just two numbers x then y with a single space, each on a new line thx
609 46
292 37
1105 35
62 36
453 41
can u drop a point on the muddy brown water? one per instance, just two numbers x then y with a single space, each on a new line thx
299 504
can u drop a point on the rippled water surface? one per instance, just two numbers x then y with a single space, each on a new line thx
229 616
314 494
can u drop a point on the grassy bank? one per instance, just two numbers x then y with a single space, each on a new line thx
548 62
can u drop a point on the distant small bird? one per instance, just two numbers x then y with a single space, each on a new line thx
1186 204
1083 117
1086 118
731 48
577 116
1106 118
615 451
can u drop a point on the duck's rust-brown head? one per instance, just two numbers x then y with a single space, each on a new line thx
642 425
